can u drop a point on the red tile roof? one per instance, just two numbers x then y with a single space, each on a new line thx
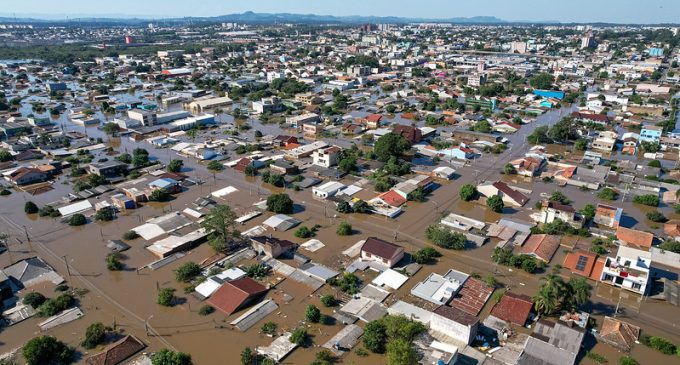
635 237
393 198
232 295
117 352
472 297
514 308
542 245
381 248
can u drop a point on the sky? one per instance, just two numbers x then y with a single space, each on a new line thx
613 11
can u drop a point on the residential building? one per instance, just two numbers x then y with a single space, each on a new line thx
510 195
476 79
608 216
633 237
268 105
629 269
326 157
382 252
651 133
513 308
236 294
297 121
410 132
271 246
550 211
454 323
552 343
111 168
202 105
27 175
541 246
584 263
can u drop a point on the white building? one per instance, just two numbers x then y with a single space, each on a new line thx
628 270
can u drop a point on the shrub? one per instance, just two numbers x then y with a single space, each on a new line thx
468 192
299 336
280 203
206 310
445 238
608 194
168 357
648 199
30 208
312 314
166 297
47 211
495 203
77 220
348 283
305 232
269 328
662 345
187 272
130 235
657 217
597 358
344 229
113 262
328 301
55 305
627 360
94 335
104 214
34 299
425 255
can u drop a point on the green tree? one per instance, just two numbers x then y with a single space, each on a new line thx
94 335
328 301
608 194
187 272
110 128
627 360
389 145
299 336
509 169
426 255
166 297
47 350
577 293
5 156
169 357
651 200
581 144
175 165
670 245
558 196
542 81
159 195
113 261
280 203
495 203
401 352
248 356
130 235
105 214
483 126
215 166
30 208
656 216
269 328
344 229
312 314
375 337
77 220
53 306
445 238
206 310
588 212
34 299
468 192
220 225
547 300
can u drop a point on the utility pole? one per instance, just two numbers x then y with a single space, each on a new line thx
68 270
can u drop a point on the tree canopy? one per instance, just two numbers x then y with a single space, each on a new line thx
220 224
390 145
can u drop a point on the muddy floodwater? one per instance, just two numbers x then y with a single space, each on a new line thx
126 299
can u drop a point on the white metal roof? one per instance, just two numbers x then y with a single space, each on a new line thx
75 208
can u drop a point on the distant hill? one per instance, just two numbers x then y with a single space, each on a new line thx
250 17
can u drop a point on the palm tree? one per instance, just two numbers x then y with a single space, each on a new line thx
545 301
551 293
578 293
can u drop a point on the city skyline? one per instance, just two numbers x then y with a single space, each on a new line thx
579 11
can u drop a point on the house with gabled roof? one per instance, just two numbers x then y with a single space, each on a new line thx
237 294
381 251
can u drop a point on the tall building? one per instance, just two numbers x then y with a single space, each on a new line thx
588 42
518 47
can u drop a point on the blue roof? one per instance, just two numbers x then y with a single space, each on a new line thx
164 182
550 94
